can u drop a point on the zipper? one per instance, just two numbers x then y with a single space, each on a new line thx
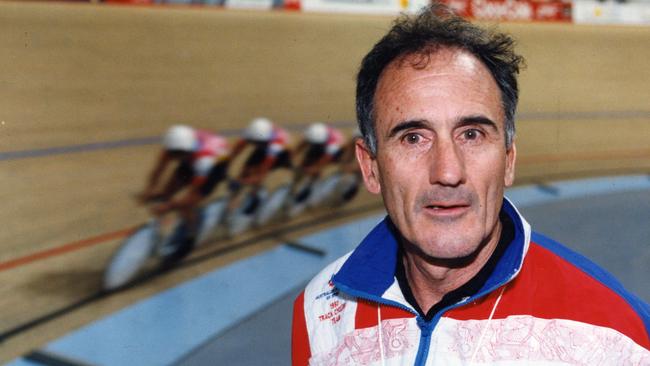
376 299
426 327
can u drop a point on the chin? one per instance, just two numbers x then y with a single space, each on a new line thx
450 251
453 248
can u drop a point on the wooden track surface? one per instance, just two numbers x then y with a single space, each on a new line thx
77 74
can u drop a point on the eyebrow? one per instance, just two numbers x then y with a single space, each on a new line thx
463 121
477 120
406 125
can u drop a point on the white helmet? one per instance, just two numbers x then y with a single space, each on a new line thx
260 129
316 133
180 137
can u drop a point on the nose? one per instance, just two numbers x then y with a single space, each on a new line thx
447 167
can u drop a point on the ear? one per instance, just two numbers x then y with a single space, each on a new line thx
368 165
511 157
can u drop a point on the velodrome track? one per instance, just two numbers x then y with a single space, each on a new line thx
86 90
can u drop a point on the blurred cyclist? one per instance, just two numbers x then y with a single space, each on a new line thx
270 151
322 145
349 167
201 159
348 161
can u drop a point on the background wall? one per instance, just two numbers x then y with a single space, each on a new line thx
78 74
74 74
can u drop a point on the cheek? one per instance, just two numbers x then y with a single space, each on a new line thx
394 181
487 173
398 170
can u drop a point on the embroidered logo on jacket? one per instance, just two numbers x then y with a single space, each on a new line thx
533 339
361 347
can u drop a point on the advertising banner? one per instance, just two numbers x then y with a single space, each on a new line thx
358 6
250 4
595 12
512 10
136 2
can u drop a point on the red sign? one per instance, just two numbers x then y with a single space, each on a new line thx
292 4
517 10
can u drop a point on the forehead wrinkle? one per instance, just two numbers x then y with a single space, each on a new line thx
408 78
446 66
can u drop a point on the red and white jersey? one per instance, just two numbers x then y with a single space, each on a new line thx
335 141
280 140
210 149
542 305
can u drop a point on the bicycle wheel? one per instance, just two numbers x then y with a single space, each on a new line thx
175 246
347 188
299 201
324 189
131 256
209 217
273 205
242 218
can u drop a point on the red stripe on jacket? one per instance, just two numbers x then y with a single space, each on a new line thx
300 353
564 292
366 315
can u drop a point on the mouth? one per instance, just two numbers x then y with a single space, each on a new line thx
447 209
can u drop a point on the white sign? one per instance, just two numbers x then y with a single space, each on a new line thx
363 6
610 12
249 4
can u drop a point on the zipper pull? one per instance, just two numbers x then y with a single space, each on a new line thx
425 327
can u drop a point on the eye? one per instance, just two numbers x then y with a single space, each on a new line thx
412 138
472 134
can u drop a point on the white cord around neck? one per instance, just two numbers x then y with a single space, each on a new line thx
487 326
381 338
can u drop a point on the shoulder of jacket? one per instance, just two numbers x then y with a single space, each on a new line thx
325 275
321 285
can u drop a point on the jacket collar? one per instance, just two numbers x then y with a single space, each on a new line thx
370 269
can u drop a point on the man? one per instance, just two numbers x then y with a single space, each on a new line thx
453 275
322 145
201 159
270 151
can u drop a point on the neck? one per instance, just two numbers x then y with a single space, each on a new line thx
431 279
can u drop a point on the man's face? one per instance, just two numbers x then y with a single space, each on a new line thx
441 163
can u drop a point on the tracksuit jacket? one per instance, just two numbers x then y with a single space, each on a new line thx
542 305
